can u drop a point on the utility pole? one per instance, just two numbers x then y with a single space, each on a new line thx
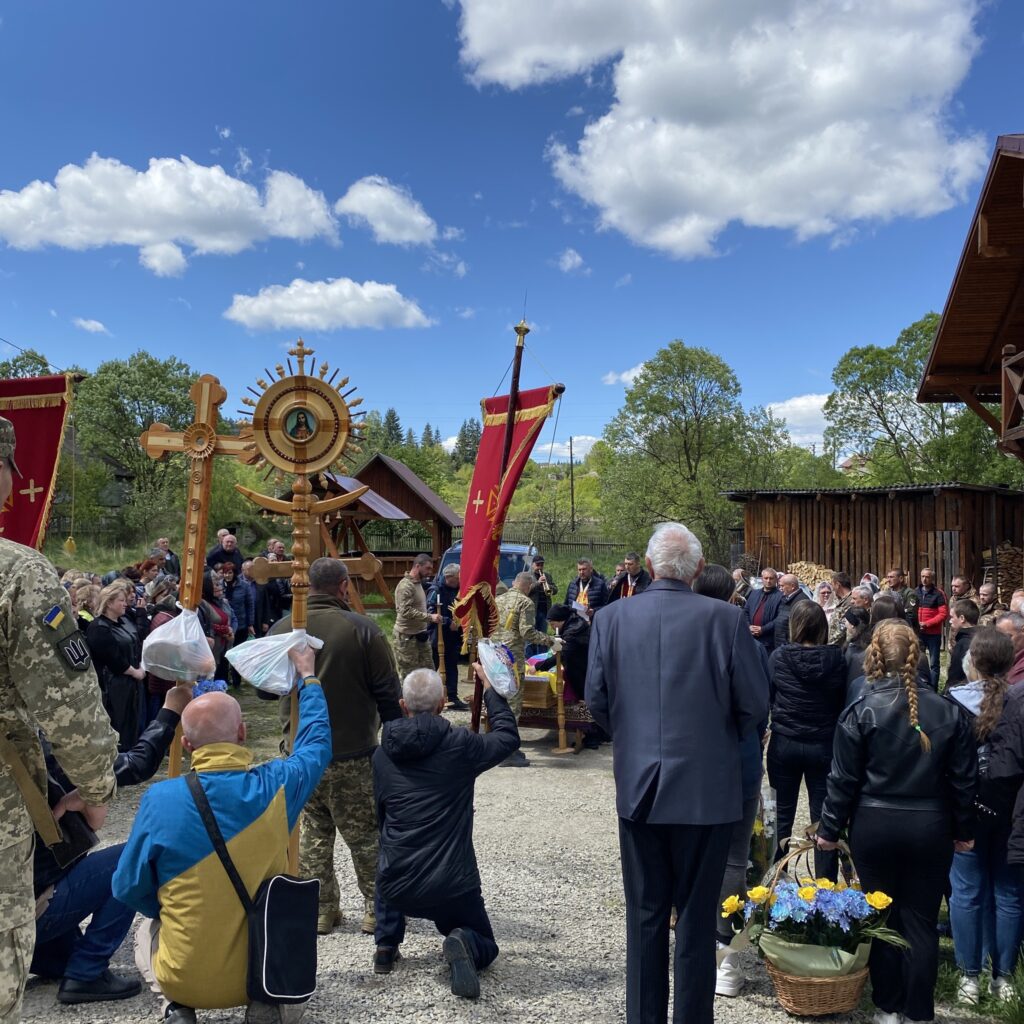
572 492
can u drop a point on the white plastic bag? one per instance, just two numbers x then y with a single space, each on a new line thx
179 649
264 662
496 663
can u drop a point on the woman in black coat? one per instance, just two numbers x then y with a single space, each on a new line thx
903 780
808 690
113 643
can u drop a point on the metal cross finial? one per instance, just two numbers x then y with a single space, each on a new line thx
300 352
522 330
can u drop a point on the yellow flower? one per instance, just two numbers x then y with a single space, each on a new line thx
807 893
841 886
773 899
759 894
807 881
878 900
758 827
855 885
733 905
825 883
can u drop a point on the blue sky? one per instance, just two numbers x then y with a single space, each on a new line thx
774 181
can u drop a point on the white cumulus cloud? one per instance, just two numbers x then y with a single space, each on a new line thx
797 115
327 306
389 210
804 417
581 445
172 204
624 376
92 326
570 260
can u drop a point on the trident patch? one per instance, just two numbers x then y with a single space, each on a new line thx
75 652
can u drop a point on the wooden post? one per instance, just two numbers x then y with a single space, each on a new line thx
563 744
198 442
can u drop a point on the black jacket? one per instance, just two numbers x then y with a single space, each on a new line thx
877 760
643 581
448 595
780 625
808 691
575 635
956 675
1003 782
424 774
597 592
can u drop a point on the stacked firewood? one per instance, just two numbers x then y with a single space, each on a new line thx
810 574
1011 567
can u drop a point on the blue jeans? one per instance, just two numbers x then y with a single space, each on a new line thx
933 645
985 905
465 911
62 951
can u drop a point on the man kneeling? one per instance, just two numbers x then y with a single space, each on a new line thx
424 773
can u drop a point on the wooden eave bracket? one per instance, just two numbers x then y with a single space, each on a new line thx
971 400
994 251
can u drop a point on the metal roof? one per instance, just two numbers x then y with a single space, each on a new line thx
434 501
380 507
748 495
985 307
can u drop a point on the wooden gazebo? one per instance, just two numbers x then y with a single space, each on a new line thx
396 483
978 354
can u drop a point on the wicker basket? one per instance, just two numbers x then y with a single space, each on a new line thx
816 997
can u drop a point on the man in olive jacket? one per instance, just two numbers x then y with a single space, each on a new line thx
359 679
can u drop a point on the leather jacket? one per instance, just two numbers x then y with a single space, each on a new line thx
877 760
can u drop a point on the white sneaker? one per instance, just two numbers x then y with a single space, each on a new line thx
969 990
1002 990
729 978
881 1017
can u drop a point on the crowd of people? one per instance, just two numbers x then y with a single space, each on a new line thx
671 655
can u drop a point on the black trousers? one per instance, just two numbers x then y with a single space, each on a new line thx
450 672
664 865
906 854
790 762
465 910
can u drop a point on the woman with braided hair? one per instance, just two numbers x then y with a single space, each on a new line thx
903 779
985 904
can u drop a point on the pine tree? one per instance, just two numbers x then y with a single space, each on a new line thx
410 439
393 436
429 438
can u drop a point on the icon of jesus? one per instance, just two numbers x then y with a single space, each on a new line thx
300 425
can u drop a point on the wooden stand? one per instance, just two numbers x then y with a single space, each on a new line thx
563 746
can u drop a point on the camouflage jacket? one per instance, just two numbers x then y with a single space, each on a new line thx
46 682
837 624
516 629
411 615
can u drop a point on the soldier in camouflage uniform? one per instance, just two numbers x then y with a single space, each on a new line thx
516 617
989 605
843 591
896 579
357 672
412 648
46 682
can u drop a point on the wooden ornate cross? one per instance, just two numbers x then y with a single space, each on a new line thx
365 566
301 424
198 442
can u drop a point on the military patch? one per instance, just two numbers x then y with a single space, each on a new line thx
54 617
75 651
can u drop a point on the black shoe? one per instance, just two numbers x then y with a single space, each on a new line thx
384 959
107 986
176 1013
456 705
517 759
465 982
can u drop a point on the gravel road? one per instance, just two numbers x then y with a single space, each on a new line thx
547 845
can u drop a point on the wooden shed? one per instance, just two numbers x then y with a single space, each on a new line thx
948 527
398 484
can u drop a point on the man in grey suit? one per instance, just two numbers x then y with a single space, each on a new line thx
676 679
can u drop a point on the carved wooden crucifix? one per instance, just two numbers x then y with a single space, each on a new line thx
198 442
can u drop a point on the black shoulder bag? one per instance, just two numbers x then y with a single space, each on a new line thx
282 922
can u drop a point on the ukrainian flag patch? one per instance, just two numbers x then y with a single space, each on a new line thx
54 617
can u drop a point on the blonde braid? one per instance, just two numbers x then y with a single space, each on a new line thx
874 660
909 674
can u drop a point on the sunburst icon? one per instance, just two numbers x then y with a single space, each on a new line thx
302 422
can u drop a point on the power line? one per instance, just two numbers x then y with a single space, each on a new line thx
25 351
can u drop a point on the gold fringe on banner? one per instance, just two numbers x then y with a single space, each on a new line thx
32 402
67 397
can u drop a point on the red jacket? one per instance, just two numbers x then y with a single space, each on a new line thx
932 610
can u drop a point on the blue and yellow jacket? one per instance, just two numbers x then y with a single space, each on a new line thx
170 870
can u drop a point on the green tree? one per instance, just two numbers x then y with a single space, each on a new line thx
27 363
410 438
115 405
393 435
467 442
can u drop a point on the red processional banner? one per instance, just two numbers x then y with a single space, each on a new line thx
38 408
490 495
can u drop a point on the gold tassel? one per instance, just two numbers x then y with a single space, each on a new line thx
69 546
32 402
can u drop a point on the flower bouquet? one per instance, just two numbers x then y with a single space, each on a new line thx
815 936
